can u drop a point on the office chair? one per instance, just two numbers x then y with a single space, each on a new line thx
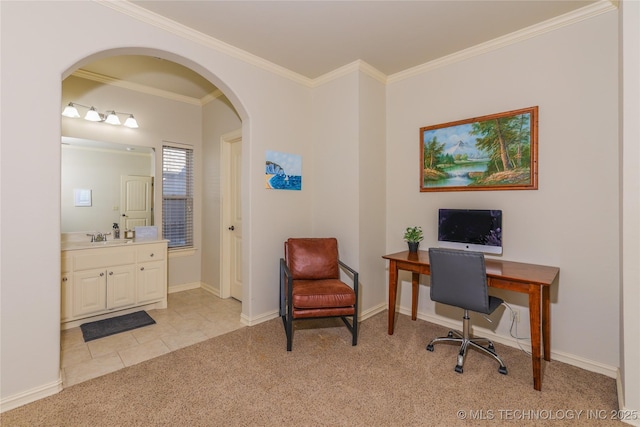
310 285
459 279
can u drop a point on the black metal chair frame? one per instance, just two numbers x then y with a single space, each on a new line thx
286 303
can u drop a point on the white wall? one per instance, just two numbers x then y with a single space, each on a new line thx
219 118
571 221
349 175
51 45
630 205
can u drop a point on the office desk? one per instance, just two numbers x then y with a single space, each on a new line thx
534 280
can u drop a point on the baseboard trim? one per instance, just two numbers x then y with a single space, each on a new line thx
364 315
30 396
570 359
259 319
184 287
210 289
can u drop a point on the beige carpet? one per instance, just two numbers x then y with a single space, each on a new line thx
247 378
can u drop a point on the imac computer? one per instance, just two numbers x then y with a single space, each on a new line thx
478 230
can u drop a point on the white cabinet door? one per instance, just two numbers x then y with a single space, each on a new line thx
66 310
151 281
89 292
121 290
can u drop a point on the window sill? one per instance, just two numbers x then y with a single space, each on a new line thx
178 253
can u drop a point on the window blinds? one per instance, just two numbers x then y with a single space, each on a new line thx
177 196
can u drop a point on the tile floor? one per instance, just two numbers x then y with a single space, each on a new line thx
191 316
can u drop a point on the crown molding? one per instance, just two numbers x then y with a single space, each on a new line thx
587 12
151 18
358 65
88 75
183 31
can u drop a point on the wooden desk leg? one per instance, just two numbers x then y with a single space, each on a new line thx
546 323
393 288
534 320
415 283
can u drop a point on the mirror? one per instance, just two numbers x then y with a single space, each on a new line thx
103 183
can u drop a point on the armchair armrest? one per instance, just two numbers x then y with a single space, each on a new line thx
355 278
285 275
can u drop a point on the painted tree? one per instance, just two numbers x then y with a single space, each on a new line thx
432 151
503 138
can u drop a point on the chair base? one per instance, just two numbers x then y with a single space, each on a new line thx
351 326
465 341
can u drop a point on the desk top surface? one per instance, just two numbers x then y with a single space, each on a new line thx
501 269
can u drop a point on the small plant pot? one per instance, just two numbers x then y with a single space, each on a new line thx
413 246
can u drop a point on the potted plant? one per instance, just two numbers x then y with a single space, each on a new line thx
413 236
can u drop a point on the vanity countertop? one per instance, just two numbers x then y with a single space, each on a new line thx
70 245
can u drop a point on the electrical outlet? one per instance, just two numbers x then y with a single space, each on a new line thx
515 315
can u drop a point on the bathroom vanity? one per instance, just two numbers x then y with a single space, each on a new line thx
111 278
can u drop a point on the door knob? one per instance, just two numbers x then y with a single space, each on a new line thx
232 228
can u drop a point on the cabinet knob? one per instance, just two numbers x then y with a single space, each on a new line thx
111 273
141 268
101 274
64 279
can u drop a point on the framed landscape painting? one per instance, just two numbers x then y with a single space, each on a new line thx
495 152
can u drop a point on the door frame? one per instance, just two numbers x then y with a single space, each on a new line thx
225 188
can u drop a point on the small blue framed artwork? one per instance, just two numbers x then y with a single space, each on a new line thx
283 171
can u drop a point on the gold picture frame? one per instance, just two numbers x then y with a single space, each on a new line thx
494 152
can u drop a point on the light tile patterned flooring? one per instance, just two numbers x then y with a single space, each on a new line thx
191 316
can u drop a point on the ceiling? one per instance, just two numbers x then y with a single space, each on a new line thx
312 38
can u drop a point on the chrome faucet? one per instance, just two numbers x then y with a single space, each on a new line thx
98 237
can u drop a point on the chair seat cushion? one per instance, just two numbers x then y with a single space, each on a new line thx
317 294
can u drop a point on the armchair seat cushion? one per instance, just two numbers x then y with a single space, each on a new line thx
326 293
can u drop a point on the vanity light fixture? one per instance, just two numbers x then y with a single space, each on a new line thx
93 115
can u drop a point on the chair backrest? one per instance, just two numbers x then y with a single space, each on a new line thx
459 278
312 258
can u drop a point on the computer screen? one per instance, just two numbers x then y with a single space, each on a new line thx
477 230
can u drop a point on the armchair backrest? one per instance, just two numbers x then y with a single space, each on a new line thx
459 278
312 258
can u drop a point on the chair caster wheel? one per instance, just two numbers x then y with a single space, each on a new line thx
502 370
430 347
458 369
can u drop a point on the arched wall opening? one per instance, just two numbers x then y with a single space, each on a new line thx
202 147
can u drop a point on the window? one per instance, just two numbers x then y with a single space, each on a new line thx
177 196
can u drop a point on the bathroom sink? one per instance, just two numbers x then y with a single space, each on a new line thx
84 245
111 242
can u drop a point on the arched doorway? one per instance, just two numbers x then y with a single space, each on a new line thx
133 83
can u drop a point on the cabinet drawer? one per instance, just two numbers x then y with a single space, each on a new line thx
97 258
151 252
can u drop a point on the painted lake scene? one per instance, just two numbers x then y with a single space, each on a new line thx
283 171
497 152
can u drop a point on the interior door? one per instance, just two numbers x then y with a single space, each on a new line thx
135 201
235 217
231 224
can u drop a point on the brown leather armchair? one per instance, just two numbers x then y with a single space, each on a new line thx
310 285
